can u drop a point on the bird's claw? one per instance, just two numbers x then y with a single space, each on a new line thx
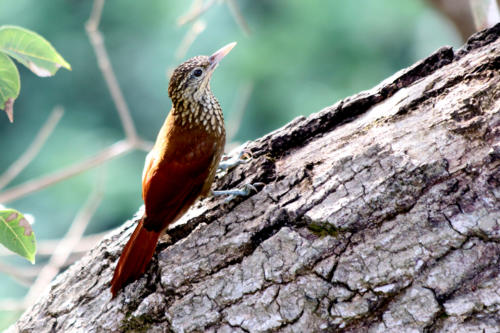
231 162
245 191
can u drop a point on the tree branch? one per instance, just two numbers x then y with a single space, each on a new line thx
31 186
238 16
95 37
131 142
33 149
65 246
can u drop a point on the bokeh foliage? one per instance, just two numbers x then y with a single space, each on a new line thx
301 57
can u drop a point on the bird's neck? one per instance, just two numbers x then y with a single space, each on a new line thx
202 112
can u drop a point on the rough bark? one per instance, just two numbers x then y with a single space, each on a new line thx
380 213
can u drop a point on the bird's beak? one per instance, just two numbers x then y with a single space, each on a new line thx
215 58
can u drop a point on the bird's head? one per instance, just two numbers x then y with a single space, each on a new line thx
191 79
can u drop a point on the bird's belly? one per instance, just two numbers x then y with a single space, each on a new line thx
194 151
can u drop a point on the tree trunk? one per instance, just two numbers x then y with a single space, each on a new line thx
380 213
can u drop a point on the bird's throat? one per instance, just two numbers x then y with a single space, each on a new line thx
204 113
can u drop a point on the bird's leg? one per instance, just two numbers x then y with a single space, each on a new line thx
245 191
230 162
233 161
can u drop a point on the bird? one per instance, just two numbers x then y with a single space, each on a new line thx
182 164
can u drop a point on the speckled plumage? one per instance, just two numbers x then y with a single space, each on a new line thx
182 164
188 147
193 101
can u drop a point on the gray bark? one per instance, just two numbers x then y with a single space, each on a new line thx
380 213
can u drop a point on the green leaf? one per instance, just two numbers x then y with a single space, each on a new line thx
9 85
31 50
16 234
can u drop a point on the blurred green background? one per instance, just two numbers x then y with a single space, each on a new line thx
300 57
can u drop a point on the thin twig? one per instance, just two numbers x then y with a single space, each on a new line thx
117 149
101 53
33 149
195 7
95 15
485 13
238 16
196 29
132 140
196 10
85 244
23 275
47 247
12 305
66 245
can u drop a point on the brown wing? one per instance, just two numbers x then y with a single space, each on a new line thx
175 177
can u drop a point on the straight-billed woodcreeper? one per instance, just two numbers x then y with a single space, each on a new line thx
182 164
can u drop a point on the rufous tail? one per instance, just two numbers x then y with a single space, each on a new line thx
135 257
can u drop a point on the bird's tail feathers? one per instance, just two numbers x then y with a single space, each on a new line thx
135 257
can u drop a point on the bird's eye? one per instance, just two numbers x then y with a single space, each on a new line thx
197 72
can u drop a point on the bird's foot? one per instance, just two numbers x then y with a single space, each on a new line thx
245 191
232 161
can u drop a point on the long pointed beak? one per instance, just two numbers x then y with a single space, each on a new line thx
217 56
